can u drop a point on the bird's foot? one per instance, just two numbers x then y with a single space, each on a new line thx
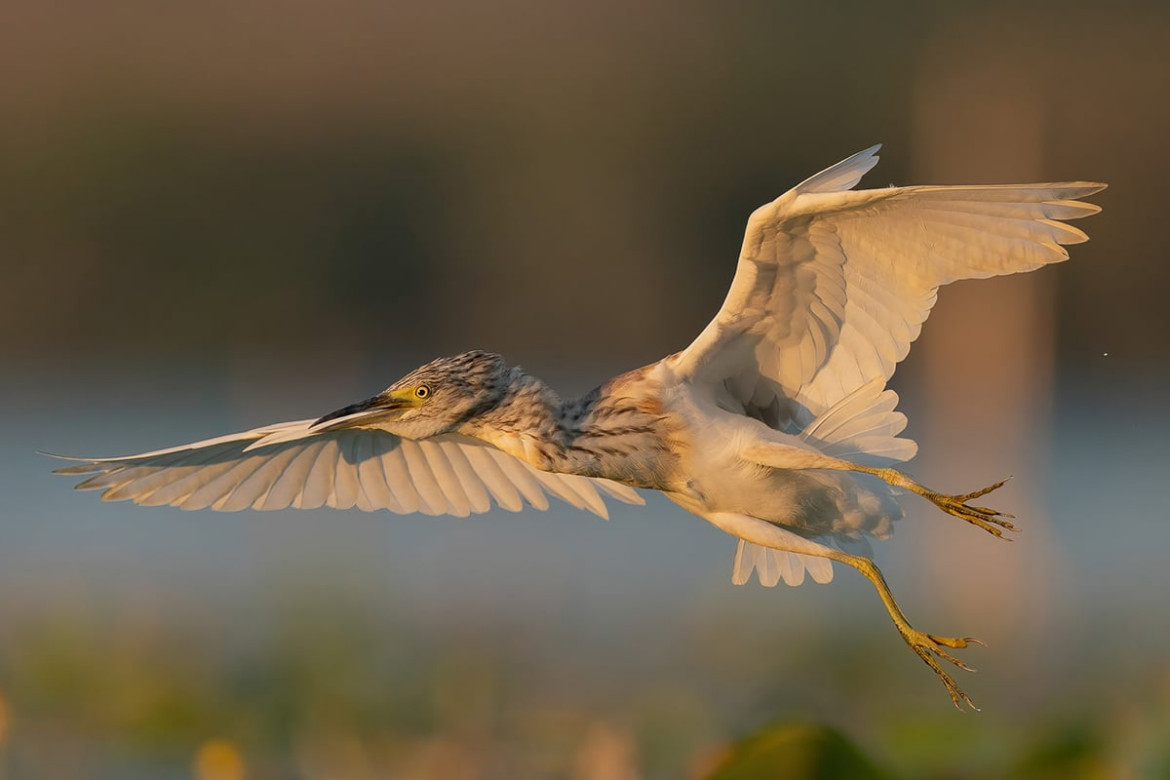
989 520
930 648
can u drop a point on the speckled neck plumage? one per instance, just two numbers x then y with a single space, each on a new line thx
615 431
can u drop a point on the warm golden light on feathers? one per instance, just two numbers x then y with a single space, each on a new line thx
775 424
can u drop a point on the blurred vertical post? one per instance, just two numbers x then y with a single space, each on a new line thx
4 724
986 359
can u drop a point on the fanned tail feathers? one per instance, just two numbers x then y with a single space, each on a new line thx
776 565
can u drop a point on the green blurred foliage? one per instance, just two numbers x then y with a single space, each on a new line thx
336 690
798 751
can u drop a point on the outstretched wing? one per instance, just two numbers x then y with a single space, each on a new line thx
290 465
833 285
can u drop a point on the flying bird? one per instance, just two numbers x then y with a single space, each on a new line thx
775 424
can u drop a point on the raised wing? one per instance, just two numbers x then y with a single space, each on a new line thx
833 285
369 469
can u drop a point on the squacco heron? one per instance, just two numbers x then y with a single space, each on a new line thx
775 424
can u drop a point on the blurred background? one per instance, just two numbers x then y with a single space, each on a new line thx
217 215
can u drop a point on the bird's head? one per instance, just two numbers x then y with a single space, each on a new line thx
430 400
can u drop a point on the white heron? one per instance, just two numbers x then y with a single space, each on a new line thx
775 424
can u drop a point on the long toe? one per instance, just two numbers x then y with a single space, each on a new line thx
930 648
957 642
968 496
958 696
990 520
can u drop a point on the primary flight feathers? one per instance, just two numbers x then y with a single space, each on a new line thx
367 469
833 285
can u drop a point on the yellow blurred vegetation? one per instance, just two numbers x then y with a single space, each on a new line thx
218 759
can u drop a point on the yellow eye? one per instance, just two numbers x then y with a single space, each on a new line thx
422 391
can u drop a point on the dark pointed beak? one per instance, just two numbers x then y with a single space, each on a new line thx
360 412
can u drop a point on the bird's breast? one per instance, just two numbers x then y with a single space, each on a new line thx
622 432
635 451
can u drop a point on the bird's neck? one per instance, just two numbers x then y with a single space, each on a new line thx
607 433
523 423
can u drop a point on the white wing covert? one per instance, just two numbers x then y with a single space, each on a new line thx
833 285
288 465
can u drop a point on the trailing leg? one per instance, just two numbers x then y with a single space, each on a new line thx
995 523
786 456
928 647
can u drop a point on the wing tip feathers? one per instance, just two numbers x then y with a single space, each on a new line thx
844 175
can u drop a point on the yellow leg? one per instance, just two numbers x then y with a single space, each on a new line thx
926 646
781 456
995 523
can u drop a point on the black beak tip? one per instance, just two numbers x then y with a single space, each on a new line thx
361 406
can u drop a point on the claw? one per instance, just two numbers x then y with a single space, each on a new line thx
928 646
958 642
995 523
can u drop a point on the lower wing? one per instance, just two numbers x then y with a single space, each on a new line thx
369 469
